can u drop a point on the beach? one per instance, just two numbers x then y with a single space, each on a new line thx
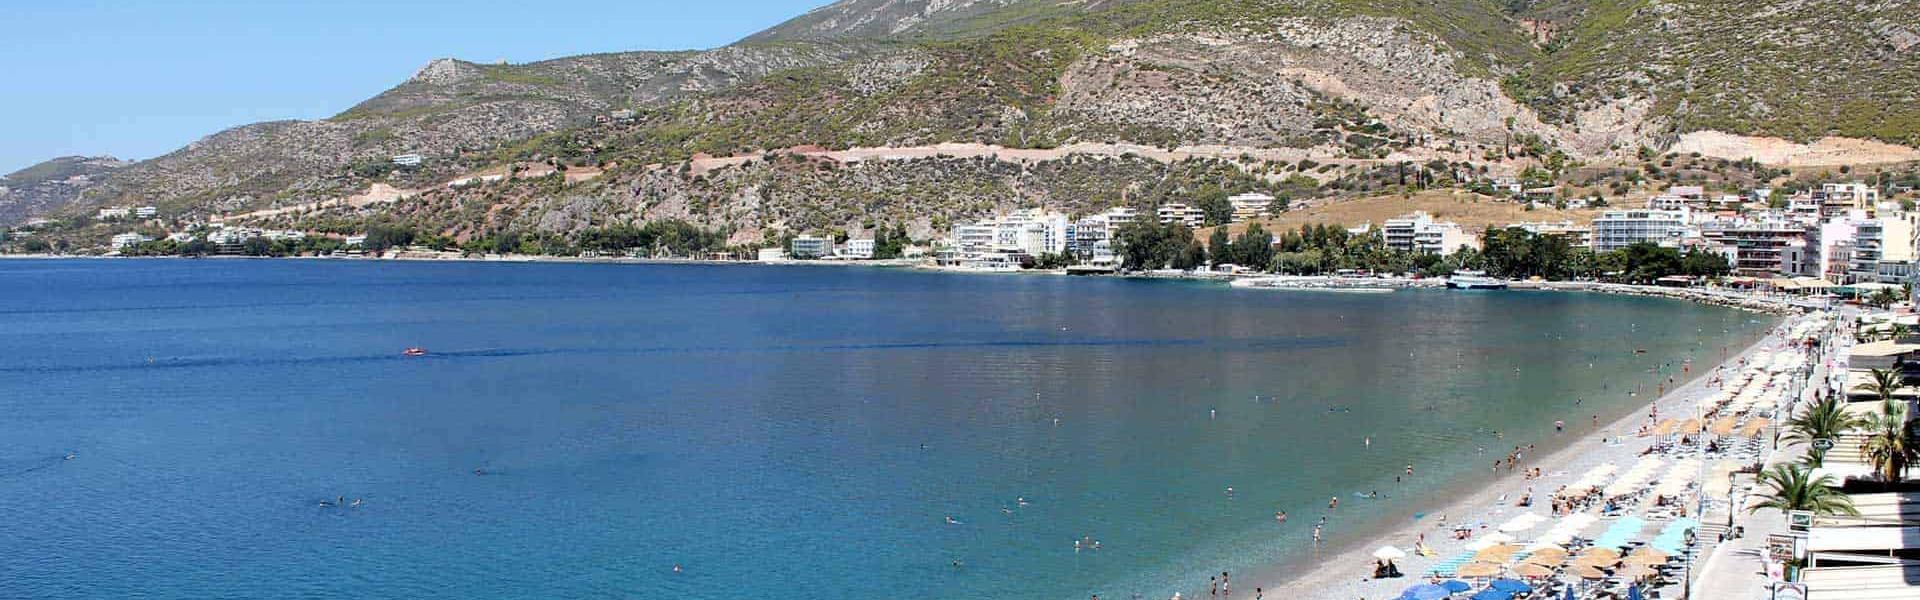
1344 567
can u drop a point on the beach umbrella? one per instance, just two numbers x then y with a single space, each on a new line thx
1547 560
1492 594
1600 551
1498 553
1511 586
1589 572
1389 553
1646 559
1650 551
1534 570
1553 552
1596 561
1456 586
1425 591
1724 426
1692 426
1665 427
1480 569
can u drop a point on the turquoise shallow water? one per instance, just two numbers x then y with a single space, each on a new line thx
780 432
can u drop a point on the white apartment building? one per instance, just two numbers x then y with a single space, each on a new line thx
1418 232
146 212
409 160
128 240
1031 231
1251 205
116 212
861 249
1616 229
1091 232
807 246
1883 249
1854 195
1182 214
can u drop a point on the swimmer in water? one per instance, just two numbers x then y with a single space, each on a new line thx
1280 516
71 456
951 521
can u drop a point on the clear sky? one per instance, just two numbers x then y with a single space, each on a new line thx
142 78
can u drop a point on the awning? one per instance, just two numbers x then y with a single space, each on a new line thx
1877 539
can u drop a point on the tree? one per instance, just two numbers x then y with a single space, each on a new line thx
1826 419
1884 298
1254 248
1890 444
1793 487
1885 383
1192 257
1214 206
1220 250
257 246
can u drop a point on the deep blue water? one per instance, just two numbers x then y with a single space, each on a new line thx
786 432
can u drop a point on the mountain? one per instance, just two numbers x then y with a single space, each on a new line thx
925 111
51 185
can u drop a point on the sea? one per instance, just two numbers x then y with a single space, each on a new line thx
175 429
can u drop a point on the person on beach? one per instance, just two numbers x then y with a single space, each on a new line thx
1316 535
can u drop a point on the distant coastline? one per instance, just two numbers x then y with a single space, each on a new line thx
1710 296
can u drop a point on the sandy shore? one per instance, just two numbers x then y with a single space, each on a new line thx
1343 572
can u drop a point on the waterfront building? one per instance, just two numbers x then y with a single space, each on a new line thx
1616 229
1031 232
772 254
1091 232
128 240
1182 214
1883 250
1418 232
860 249
807 246
1251 205
1755 248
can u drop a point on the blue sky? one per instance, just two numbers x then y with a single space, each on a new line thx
136 79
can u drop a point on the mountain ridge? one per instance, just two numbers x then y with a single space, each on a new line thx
1591 79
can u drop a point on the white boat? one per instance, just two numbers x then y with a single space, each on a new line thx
1475 280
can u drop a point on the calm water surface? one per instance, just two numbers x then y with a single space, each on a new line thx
778 432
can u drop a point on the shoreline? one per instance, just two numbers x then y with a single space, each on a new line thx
1770 305
1342 568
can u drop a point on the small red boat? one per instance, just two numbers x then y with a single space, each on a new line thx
415 351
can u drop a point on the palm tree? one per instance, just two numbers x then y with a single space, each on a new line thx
1890 443
1793 487
1826 419
1897 331
1885 383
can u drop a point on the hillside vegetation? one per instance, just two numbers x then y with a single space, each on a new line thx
1517 85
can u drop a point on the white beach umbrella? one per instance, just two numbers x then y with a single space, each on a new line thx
1389 553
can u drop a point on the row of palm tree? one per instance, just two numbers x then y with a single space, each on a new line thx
1891 444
